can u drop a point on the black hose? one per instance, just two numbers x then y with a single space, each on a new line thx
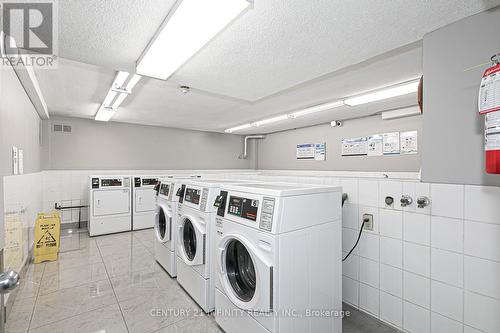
359 237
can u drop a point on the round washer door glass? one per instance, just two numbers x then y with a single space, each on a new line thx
161 224
240 270
189 239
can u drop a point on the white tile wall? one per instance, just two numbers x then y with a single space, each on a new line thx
22 203
433 269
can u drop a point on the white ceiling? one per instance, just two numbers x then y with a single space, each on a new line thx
277 57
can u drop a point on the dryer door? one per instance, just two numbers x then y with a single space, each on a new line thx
144 200
192 241
163 224
246 277
111 202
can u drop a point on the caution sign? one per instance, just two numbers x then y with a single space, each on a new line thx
47 233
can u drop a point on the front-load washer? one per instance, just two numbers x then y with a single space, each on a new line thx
143 202
110 199
278 258
166 221
195 239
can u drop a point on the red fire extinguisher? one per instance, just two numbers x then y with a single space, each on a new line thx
489 105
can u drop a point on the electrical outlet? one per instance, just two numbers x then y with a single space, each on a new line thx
368 219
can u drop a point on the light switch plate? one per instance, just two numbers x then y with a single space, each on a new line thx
369 222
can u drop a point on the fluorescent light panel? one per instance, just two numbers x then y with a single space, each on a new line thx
238 128
313 109
386 93
391 92
115 96
271 120
193 24
105 113
119 100
317 108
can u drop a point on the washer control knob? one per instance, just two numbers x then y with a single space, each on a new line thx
389 201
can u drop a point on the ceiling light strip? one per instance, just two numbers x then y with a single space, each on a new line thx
385 93
190 27
122 87
405 88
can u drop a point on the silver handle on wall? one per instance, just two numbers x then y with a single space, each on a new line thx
423 202
406 200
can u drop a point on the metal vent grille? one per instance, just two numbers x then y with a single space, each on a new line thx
61 128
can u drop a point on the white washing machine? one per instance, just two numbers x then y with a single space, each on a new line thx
195 239
278 259
166 222
143 202
110 199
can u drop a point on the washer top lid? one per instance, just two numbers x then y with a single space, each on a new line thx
281 189
169 178
110 176
213 182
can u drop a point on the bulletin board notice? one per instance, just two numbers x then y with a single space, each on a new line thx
311 151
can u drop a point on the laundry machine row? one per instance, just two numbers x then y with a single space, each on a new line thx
265 257
122 203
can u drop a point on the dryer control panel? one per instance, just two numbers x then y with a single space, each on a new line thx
138 181
97 182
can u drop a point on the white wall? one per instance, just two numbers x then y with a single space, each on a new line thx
97 145
20 196
453 138
278 150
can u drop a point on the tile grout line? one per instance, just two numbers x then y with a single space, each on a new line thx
463 258
113 288
36 298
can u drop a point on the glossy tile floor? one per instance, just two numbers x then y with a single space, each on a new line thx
113 284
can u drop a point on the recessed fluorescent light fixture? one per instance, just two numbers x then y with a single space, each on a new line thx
317 108
122 87
271 120
189 27
386 93
238 128
105 113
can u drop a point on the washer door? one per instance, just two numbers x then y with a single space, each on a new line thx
192 241
246 277
163 224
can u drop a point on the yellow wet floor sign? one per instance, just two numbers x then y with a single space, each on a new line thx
47 232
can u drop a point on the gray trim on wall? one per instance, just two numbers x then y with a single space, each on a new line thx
278 150
113 145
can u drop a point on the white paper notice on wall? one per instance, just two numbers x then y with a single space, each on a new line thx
306 151
355 147
391 143
20 162
489 91
320 151
409 142
375 145
15 160
311 151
